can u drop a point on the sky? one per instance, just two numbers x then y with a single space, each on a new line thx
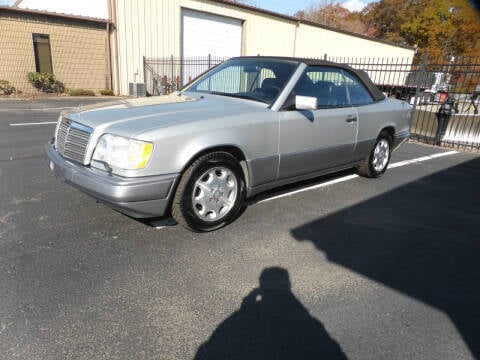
287 7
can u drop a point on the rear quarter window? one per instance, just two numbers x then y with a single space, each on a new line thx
358 93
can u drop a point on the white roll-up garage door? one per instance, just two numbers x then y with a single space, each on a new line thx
204 33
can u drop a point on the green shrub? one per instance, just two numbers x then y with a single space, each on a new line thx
106 92
45 82
6 88
80 92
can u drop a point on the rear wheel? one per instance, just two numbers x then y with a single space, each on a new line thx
377 162
210 194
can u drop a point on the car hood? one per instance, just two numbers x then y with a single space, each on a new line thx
134 116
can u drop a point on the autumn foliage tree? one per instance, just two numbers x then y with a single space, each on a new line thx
336 16
447 28
440 27
386 17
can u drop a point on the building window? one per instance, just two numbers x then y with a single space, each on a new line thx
43 54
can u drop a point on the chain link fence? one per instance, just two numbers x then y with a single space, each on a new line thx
444 93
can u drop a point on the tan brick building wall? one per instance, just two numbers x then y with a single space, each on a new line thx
78 48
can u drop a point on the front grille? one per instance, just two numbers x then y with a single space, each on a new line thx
71 140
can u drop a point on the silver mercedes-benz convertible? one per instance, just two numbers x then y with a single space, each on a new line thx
244 127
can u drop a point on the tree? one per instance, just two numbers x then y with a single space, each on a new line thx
386 17
440 27
445 28
334 15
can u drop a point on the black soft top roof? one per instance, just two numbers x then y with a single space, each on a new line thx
371 87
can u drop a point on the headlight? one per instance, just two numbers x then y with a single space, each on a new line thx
121 152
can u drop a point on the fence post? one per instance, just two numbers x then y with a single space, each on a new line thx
209 61
420 80
325 57
145 72
182 67
172 65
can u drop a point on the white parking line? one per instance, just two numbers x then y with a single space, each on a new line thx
420 159
351 177
313 187
35 123
170 222
39 109
466 114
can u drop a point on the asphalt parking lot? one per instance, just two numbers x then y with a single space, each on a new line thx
337 268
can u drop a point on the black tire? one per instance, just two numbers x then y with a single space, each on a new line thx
189 215
370 168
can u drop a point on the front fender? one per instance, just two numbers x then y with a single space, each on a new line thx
175 147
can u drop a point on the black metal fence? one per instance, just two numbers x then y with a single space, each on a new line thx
444 93
165 75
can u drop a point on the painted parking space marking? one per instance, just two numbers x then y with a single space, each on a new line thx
165 223
313 187
34 123
38 109
420 159
353 176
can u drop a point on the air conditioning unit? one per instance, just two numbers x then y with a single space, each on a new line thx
137 89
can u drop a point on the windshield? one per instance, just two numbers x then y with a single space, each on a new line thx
248 78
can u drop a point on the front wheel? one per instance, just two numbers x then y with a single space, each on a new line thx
377 162
210 194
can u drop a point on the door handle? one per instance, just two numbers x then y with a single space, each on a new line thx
351 119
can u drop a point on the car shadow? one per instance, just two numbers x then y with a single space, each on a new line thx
422 239
270 324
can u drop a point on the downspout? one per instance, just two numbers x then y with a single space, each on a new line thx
113 15
297 25
109 56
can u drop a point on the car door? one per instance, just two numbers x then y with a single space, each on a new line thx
370 116
320 139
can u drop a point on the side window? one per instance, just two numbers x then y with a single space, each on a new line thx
43 54
327 84
359 95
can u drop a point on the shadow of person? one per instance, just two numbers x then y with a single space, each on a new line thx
271 324
421 239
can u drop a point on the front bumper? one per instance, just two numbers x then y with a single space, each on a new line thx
140 197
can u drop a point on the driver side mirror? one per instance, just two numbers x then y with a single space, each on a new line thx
298 102
306 103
